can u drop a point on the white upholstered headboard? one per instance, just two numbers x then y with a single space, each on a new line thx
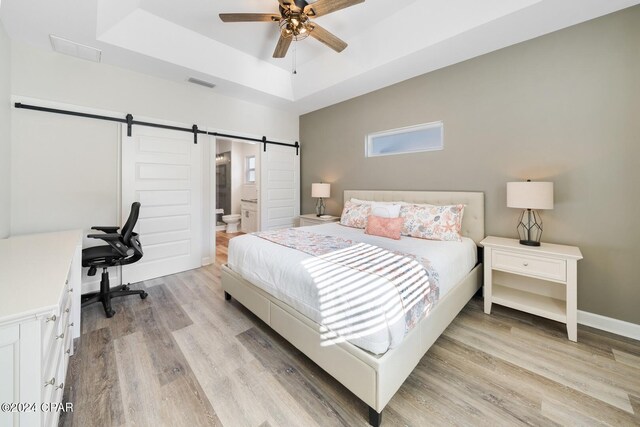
472 221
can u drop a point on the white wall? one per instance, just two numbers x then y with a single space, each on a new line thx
249 189
5 134
65 169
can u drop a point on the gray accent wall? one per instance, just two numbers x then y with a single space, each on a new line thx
5 133
564 107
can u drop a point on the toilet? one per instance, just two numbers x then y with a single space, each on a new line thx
232 222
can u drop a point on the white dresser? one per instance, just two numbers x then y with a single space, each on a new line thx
39 317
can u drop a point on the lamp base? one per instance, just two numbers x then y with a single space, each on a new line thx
530 228
320 207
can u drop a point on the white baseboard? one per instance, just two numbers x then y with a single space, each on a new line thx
615 326
206 261
92 286
92 283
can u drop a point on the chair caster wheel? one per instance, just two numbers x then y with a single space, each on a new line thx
125 288
110 313
144 295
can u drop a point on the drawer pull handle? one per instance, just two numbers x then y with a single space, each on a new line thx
70 289
66 282
58 337
66 310
52 318
526 264
71 324
52 381
61 386
68 351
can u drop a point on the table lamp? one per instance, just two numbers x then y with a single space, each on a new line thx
530 196
320 191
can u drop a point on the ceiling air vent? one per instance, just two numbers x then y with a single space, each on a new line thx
75 49
201 82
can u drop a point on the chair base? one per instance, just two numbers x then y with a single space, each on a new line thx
106 293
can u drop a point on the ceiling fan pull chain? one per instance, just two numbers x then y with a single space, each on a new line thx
294 69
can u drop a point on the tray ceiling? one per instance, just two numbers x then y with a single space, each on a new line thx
389 40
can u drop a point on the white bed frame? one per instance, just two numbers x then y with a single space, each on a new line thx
374 379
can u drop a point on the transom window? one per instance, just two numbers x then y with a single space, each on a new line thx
412 139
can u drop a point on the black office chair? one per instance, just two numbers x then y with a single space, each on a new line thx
123 248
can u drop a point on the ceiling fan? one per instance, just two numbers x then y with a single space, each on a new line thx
295 24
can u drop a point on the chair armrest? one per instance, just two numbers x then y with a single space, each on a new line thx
105 228
113 239
105 237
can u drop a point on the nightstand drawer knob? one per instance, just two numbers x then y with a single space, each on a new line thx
526 264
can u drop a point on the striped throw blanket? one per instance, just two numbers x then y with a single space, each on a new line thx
362 272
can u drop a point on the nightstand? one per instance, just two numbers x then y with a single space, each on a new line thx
312 219
539 280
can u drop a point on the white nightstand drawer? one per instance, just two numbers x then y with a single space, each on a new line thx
549 268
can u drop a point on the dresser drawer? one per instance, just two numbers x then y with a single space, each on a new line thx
51 377
53 393
547 268
50 327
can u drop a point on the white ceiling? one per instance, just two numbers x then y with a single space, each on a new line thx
389 40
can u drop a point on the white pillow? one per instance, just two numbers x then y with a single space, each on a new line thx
360 202
369 202
385 210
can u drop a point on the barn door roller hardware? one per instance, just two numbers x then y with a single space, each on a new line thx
128 120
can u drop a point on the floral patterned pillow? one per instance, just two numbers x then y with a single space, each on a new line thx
355 215
384 227
433 222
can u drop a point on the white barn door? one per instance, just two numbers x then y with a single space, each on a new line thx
279 187
162 169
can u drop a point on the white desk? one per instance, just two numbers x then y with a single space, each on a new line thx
39 317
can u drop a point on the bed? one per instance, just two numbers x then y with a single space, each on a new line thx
374 378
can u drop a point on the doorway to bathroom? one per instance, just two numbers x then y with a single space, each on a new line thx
237 186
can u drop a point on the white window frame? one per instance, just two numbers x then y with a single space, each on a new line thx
369 139
247 169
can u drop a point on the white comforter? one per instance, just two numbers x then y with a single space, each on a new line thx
286 274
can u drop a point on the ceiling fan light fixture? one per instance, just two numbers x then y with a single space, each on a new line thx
295 29
294 22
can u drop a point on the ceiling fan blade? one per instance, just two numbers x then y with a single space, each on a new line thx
282 47
324 7
289 4
249 17
327 38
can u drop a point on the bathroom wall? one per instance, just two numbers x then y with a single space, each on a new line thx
249 191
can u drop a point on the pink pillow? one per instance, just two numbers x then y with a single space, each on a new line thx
384 227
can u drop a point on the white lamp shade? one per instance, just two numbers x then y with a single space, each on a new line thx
320 190
530 195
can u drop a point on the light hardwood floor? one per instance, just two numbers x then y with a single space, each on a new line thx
186 357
